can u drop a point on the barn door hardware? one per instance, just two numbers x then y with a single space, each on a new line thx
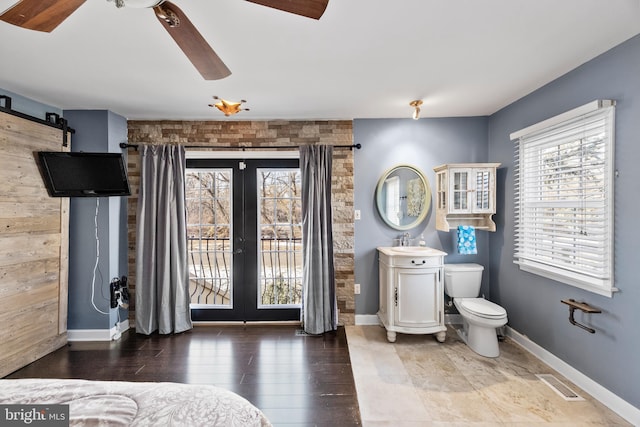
51 119
7 101
62 122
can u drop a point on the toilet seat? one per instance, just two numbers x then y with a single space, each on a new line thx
482 308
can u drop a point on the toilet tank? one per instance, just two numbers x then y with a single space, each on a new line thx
462 280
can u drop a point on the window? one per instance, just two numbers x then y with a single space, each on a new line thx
394 213
564 198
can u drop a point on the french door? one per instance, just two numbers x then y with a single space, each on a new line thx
244 239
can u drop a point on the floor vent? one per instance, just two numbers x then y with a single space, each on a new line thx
559 387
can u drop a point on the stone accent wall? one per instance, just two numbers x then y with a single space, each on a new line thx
261 134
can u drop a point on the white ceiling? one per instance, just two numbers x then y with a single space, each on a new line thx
362 59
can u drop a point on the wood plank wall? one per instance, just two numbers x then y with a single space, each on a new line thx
34 242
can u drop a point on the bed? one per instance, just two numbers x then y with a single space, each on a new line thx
118 403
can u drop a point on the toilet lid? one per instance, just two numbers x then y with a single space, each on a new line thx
482 307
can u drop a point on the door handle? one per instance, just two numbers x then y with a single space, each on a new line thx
240 246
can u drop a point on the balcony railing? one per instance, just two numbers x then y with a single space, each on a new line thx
211 271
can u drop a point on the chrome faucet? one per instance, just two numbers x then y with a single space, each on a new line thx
406 238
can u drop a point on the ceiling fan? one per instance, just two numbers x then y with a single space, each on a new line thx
46 15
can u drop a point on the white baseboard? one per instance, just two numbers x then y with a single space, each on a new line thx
606 397
367 319
112 334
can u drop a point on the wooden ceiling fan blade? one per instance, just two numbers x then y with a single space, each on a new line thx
40 15
309 8
189 39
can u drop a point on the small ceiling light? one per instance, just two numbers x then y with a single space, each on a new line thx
228 107
416 105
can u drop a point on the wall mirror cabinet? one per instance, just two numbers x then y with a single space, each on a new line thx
466 195
403 197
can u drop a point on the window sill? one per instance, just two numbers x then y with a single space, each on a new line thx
562 277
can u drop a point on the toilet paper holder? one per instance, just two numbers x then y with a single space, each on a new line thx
582 306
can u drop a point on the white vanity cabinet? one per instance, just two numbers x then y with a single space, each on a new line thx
411 291
466 195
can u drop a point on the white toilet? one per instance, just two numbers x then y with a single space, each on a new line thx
480 317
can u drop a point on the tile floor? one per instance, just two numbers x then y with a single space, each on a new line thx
417 381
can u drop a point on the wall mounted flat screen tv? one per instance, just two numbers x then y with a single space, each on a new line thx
81 174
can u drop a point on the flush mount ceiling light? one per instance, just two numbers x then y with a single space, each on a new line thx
416 105
229 108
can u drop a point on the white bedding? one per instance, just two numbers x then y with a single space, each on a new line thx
117 403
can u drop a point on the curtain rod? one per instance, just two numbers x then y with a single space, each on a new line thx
271 147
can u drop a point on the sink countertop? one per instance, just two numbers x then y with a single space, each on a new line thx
410 251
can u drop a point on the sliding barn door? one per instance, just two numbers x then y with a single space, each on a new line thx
33 247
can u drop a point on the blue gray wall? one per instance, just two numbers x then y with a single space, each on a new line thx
610 356
424 144
96 131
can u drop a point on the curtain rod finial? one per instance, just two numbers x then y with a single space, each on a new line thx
125 145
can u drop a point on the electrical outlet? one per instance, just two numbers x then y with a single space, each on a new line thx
356 289
356 214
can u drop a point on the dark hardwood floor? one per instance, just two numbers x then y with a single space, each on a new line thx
295 380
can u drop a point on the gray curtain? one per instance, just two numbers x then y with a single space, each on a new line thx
319 305
162 271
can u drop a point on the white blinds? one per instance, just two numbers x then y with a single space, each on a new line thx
564 199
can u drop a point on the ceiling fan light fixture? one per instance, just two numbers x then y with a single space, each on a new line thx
228 108
416 108
140 4
167 15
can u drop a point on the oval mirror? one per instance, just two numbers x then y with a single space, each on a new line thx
403 197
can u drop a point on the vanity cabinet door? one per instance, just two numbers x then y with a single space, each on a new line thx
418 297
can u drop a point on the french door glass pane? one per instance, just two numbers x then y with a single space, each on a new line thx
208 197
280 237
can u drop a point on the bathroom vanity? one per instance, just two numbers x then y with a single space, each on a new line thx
411 291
